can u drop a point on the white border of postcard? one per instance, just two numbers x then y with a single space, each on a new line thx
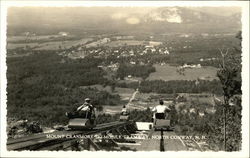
245 79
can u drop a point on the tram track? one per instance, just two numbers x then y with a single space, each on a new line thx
191 144
35 142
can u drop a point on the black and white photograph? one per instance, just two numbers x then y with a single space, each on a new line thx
125 78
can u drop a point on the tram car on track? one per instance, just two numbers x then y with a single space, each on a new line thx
81 122
162 123
124 117
124 114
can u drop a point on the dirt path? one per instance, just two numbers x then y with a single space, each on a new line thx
132 98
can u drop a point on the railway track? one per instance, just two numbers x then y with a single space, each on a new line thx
192 145
42 142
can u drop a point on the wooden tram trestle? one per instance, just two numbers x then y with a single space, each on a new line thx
41 142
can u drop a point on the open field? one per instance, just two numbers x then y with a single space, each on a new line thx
63 44
125 93
22 38
50 45
167 73
124 43
21 45
201 98
131 43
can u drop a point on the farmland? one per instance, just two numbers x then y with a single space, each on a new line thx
15 42
64 44
124 43
124 93
167 73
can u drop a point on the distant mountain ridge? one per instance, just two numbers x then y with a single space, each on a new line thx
183 15
128 20
188 20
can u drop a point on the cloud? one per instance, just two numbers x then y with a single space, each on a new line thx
126 17
133 20
174 19
170 15
119 16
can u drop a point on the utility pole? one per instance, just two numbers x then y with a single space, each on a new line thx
225 124
162 141
225 100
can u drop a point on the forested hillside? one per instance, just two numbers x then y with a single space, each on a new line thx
44 86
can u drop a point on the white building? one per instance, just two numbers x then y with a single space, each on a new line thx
63 33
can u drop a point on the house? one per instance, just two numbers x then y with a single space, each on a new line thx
166 52
191 66
192 110
113 67
201 114
124 37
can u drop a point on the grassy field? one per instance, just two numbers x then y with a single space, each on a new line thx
125 93
21 45
51 45
21 38
63 44
123 43
167 72
139 102
205 98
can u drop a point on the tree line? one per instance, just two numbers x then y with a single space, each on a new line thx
134 70
181 86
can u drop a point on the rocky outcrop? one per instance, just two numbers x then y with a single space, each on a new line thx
22 127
